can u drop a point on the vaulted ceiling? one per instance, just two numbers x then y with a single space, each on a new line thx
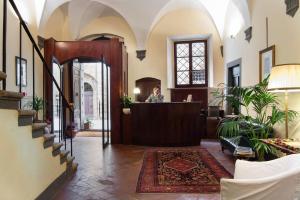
141 15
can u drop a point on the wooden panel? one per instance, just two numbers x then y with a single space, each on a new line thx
167 124
199 95
127 137
68 51
125 71
146 86
212 127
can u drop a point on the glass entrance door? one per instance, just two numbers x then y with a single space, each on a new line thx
57 121
92 89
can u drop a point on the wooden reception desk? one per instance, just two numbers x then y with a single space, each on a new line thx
164 124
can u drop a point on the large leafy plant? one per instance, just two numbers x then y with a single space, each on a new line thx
126 101
36 105
261 114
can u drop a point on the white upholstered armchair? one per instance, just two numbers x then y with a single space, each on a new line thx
271 180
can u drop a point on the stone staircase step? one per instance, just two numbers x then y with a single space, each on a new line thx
70 159
74 166
71 169
48 140
63 156
2 76
26 117
10 100
56 148
38 129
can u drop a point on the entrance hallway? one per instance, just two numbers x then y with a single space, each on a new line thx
112 174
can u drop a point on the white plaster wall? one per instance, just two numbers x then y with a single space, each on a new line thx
284 32
26 169
12 50
180 22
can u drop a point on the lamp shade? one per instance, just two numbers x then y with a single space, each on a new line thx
136 91
285 78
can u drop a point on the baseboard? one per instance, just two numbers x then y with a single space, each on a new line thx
53 188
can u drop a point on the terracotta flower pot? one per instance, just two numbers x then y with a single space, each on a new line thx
87 126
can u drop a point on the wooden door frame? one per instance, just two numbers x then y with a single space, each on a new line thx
109 50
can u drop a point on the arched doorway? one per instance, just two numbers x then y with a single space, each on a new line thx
92 97
111 54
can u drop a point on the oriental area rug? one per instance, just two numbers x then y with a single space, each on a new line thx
185 170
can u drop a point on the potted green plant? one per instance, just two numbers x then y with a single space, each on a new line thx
36 105
261 110
71 130
87 124
126 104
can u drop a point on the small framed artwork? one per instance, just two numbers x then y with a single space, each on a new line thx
266 62
21 63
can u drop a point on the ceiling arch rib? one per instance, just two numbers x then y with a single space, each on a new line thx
243 7
142 15
173 5
80 13
49 8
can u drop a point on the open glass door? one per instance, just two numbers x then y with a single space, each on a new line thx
77 88
105 104
57 121
91 94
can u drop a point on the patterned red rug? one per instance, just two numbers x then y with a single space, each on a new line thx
186 170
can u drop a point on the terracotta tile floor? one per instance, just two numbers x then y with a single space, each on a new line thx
112 174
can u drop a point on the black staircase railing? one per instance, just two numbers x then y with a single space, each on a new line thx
4 41
35 50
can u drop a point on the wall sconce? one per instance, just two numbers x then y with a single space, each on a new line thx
248 34
222 50
41 41
141 54
292 7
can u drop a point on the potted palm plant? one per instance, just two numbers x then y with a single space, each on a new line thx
87 124
36 105
261 114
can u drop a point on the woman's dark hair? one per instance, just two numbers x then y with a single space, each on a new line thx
157 87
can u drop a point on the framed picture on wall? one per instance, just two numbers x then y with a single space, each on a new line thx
266 62
21 63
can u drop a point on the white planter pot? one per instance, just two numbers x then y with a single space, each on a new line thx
126 111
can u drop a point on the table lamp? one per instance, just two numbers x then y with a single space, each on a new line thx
136 92
285 78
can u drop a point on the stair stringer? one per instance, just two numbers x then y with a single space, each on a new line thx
26 168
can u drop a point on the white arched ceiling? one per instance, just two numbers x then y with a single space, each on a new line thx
142 15
81 12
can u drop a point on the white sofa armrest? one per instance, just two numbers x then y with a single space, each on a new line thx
279 187
254 170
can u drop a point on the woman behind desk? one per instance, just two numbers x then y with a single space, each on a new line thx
156 96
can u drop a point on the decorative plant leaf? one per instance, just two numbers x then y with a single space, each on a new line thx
266 114
126 101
